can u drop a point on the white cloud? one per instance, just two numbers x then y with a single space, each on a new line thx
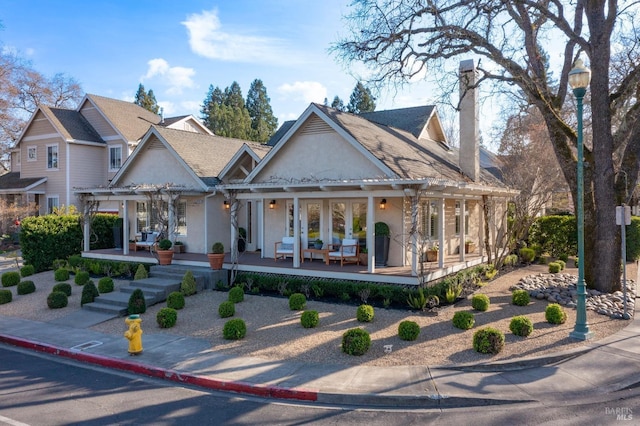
168 108
193 107
207 39
177 78
308 91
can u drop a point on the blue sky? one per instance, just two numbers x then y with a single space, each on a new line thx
179 48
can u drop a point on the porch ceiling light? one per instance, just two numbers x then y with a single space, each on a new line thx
226 204
383 204
272 204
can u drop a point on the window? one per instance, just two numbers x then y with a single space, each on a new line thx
429 220
181 213
115 158
142 222
52 203
466 218
52 156
32 153
146 222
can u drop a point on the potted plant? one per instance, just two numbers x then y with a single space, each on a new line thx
165 254
469 246
382 243
432 252
216 257
242 240
178 247
364 256
317 244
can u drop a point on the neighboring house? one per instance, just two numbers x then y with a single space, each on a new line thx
61 149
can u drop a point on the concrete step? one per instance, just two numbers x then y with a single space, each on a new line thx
206 278
106 308
122 299
157 294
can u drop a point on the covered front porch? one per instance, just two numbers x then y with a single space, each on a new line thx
254 262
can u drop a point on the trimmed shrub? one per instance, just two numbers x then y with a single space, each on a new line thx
236 294
175 300
89 293
137 304
63 287
408 330
488 340
463 320
364 313
563 264
234 329
511 260
554 267
297 302
167 317
564 257
188 284
480 302
105 285
141 273
520 297
57 300
555 314
310 319
26 287
61 274
5 296
81 278
527 254
9 279
521 326
227 309
27 271
356 341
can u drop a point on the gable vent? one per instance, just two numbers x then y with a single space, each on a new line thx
315 125
155 144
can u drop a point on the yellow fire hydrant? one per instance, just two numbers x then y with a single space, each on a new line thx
134 334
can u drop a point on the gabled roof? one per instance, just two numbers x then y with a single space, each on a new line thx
71 124
13 183
130 120
412 119
280 132
174 122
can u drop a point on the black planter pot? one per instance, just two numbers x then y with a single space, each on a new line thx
117 237
242 245
382 250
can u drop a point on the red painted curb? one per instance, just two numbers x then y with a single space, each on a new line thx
133 367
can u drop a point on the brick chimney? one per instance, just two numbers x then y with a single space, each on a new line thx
469 121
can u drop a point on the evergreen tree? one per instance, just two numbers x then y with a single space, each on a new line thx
214 98
263 122
337 104
146 100
361 100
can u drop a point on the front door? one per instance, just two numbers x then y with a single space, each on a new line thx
311 225
254 219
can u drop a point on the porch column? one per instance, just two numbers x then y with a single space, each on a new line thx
441 228
296 232
370 237
463 231
481 220
234 238
125 227
87 232
415 244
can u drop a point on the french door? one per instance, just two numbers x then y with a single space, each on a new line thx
348 220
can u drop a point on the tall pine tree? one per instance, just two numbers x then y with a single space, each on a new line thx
337 104
225 114
361 100
263 122
146 100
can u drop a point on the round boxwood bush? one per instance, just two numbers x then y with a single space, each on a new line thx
520 297
554 267
89 293
82 277
5 296
236 294
408 330
167 317
27 271
563 264
26 287
356 341
175 300
234 329
521 326
63 287
463 320
480 302
61 274
137 304
105 285
57 300
488 340
297 302
9 279
141 273
555 314
310 319
227 309
364 313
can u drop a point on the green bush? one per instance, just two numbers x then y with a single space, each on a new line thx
555 314
297 302
521 326
227 309
562 263
105 285
81 278
9 279
527 254
234 329
141 273
554 267
310 319
463 320
89 293
137 304
63 287
26 287
408 330
57 300
632 238
236 294
554 234
175 300
61 274
188 284
27 271
480 302
520 297
564 257
488 340
511 260
356 341
5 296
364 313
167 317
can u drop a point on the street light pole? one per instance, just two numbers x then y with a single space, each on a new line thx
579 78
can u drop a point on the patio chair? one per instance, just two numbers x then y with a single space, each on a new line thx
348 252
150 240
284 248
